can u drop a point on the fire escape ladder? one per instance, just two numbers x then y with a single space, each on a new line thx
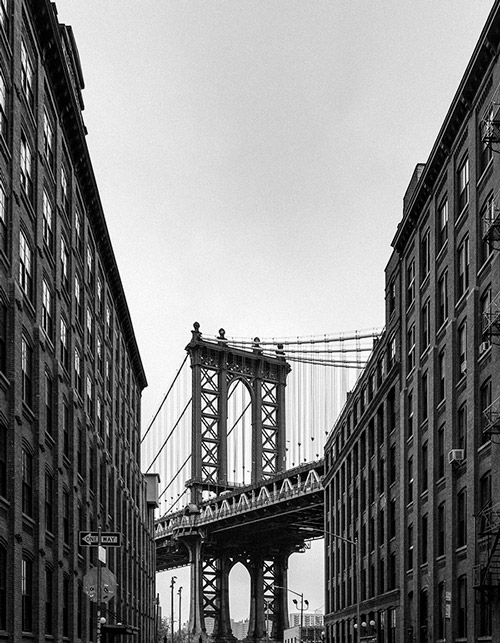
492 418
491 318
490 123
487 573
491 218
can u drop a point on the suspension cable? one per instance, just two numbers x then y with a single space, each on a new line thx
172 480
170 434
165 397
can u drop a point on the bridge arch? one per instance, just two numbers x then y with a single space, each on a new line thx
240 398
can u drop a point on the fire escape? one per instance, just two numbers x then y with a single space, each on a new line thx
486 576
490 123
487 572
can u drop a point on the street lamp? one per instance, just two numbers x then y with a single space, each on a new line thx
179 591
172 583
357 561
295 602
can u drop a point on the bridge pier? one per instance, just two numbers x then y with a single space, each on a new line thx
196 625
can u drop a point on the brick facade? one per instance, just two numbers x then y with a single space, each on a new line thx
70 372
441 281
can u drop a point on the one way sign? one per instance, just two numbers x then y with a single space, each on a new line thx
91 538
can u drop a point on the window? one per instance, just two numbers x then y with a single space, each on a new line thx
48 232
462 518
49 594
78 371
3 219
484 309
47 320
484 403
78 231
442 299
462 606
26 168
3 104
409 478
391 353
48 139
425 254
27 371
66 428
409 562
65 191
78 298
27 481
410 362
410 283
49 404
27 594
90 398
392 463
99 355
462 349
89 334
442 235
426 325
409 420
425 466
27 75
463 267
441 527
485 132
391 297
65 607
25 266
49 502
484 501
462 427
64 344
64 265
441 376
90 264
3 462
424 537
486 218
66 516
425 396
440 452
463 185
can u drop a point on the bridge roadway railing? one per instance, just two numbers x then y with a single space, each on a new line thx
287 485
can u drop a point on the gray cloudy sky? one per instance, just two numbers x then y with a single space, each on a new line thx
252 157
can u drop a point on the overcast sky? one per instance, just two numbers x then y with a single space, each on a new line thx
252 157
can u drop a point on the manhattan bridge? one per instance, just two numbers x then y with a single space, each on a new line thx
237 443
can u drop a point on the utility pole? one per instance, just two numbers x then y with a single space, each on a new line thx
179 591
172 583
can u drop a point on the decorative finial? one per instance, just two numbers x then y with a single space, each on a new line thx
280 352
196 332
222 336
256 345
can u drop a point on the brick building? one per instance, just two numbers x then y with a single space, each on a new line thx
423 497
70 372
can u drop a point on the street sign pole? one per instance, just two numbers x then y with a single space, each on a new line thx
99 594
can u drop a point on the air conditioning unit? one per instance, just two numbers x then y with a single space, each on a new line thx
456 455
483 347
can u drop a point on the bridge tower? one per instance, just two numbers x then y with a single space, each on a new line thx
216 367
